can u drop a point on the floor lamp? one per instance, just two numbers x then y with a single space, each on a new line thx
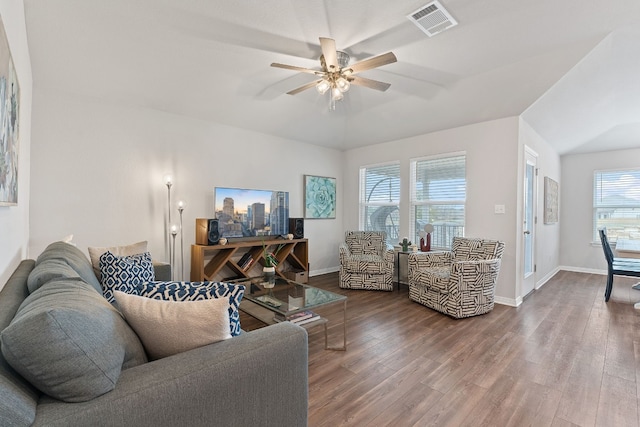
180 210
173 242
168 181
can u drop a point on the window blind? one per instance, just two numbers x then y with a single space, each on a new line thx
438 196
616 204
380 199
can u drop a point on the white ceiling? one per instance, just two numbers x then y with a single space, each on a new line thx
209 59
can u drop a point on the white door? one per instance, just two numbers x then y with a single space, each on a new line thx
529 220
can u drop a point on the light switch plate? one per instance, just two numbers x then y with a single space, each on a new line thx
499 209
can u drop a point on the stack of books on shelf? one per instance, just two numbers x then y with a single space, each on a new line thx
246 261
301 318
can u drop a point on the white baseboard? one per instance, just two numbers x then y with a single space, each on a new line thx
323 271
508 301
583 270
546 278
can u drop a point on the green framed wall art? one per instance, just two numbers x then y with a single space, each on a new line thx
319 197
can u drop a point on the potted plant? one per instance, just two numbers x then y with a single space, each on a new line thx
269 269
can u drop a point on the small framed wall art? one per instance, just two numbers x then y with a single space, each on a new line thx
550 201
319 197
9 119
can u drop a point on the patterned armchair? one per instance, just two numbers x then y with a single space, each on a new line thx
460 282
366 261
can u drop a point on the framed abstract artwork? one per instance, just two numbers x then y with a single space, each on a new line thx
319 197
550 201
9 107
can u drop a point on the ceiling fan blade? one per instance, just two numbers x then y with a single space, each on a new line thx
371 84
294 68
303 87
376 61
328 47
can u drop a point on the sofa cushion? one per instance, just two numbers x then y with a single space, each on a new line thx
466 249
69 342
169 327
48 270
193 291
366 242
124 273
372 264
96 252
18 398
74 258
436 278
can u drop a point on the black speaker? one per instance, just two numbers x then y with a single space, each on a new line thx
207 231
296 227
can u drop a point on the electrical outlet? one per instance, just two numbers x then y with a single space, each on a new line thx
499 209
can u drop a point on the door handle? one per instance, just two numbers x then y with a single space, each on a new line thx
527 232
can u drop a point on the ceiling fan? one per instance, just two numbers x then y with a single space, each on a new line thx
337 75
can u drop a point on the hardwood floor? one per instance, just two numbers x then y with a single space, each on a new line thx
563 358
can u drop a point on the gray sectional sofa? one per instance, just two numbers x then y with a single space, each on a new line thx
258 378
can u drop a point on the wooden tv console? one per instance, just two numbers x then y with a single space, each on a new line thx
221 262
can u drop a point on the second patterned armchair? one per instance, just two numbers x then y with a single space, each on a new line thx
366 261
460 282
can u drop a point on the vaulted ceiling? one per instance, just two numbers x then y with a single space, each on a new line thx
570 66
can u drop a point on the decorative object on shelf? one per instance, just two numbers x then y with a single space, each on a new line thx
319 197
270 260
550 201
10 101
269 274
405 244
425 238
174 232
289 236
223 241
180 210
414 248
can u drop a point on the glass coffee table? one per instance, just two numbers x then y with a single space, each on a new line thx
286 300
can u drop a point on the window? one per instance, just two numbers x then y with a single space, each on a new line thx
438 194
380 199
616 204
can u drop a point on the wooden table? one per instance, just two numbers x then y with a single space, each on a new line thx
626 248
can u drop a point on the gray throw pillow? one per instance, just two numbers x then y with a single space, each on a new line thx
69 342
74 257
48 270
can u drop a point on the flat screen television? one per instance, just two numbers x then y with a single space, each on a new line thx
246 213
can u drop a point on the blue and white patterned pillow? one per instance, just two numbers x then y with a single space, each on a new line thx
193 291
124 273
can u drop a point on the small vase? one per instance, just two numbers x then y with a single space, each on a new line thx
269 275
425 243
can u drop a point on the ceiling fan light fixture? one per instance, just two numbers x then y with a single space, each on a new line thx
322 87
336 75
343 84
336 94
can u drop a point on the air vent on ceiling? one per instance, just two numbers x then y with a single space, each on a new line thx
432 19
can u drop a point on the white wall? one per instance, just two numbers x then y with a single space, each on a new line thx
578 251
492 178
547 250
14 220
98 174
